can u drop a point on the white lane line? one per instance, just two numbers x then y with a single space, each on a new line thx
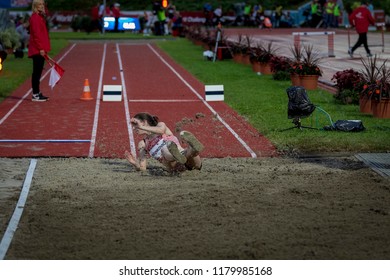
97 106
127 110
245 145
13 223
164 100
44 140
29 91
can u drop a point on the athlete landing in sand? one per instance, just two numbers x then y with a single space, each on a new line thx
160 143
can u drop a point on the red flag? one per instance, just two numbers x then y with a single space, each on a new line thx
56 72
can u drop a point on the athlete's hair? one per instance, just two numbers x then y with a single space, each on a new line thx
151 120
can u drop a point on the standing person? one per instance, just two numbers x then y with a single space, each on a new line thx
208 14
336 14
247 13
316 14
361 18
96 20
23 30
329 13
171 11
160 143
39 46
218 15
278 14
116 13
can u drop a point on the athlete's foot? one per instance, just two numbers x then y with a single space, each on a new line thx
130 158
192 141
174 150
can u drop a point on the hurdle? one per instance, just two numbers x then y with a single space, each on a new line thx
297 39
381 25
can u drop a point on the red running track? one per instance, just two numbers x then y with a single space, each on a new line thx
66 126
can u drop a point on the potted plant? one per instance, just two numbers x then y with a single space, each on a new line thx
296 51
280 67
254 55
240 49
381 108
349 84
371 76
377 87
309 70
262 55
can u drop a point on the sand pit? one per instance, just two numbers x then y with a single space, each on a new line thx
272 208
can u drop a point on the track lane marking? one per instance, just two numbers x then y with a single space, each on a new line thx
13 223
127 110
164 100
243 143
43 140
97 105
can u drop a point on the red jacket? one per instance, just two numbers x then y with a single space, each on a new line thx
39 36
116 12
361 18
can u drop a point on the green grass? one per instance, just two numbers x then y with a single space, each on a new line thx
261 100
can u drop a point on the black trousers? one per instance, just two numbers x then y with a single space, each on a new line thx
362 40
38 63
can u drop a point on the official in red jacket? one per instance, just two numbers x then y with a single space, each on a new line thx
39 46
361 18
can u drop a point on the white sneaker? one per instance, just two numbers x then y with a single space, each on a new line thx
350 52
39 97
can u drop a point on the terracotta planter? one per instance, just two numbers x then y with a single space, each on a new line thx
295 80
265 68
381 109
256 67
246 59
237 57
309 82
365 104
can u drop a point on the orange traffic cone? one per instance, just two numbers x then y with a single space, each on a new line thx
87 92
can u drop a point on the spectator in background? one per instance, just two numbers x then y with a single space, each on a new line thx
218 15
316 13
329 13
361 18
177 27
145 22
247 13
208 14
162 19
277 15
116 14
239 13
336 14
171 14
109 10
96 21
39 46
23 31
102 10
286 20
